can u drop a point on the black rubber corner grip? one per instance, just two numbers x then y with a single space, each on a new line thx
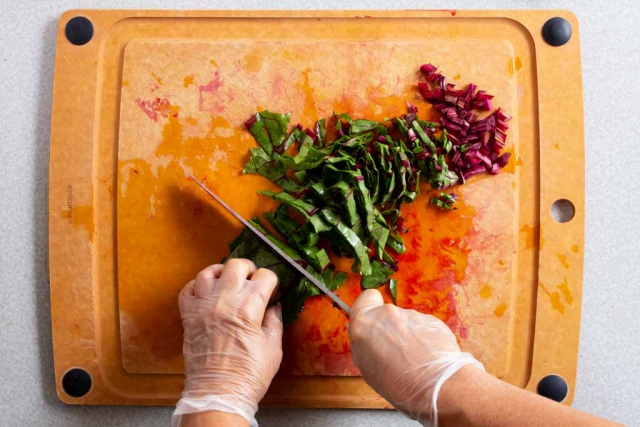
79 30
76 382
556 31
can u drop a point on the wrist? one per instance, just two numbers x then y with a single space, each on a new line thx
231 406
456 392
234 391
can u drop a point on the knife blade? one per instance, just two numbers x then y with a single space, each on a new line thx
334 298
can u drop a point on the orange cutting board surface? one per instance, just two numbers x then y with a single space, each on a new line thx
172 90
182 110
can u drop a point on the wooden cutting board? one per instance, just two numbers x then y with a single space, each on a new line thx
154 95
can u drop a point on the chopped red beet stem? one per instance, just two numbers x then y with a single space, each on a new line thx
250 122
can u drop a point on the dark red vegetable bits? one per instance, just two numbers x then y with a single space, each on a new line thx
312 134
250 122
477 142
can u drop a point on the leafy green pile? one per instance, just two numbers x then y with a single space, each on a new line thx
343 183
345 192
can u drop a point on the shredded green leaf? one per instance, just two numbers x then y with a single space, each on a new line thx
349 238
393 287
444 201
307 210
380 274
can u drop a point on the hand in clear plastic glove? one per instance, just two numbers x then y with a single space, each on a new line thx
404 355
232 341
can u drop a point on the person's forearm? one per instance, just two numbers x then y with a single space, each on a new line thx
213 419
474 398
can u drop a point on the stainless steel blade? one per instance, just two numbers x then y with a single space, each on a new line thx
277 250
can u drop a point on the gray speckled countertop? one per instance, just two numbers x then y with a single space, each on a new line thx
608 376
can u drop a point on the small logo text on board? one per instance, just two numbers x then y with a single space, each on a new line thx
69 204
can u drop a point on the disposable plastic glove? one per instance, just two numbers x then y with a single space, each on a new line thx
232 342
404 355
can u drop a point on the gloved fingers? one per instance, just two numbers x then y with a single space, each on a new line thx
265 284
186 295
369 299
206 280
188 290
235 272
272 324
255 295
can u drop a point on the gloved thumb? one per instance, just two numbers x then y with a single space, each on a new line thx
272 324
369 299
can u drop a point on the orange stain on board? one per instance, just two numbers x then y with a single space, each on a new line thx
501 262
378 105
163 235
213 62
125 83
253 60
347 104
564 288
575 248
290 55
519 161
169 223
500 310
158 79
456 77
531 235
436 259
219 122
80 217
191 121
557 146
486 291
554 297
175 144
555 302
309 110
510 167
563 260
171 133
317 343
313 334
188 80
514 65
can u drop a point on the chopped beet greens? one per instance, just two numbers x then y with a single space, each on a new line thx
445 201
345 180
393 287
